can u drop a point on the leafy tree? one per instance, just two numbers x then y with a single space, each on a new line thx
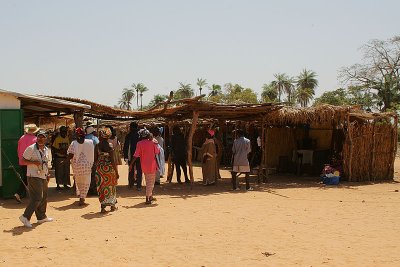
201 83
306 84
248 96
237 94
127 96
378 73
359 96
353 95
184 91
336 97
269 93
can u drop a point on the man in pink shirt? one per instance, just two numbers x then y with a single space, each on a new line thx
146 150
26 140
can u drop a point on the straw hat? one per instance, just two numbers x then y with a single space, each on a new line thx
31 128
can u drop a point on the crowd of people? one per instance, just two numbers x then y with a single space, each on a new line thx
95 156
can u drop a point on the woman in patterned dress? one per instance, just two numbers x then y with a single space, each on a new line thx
106 172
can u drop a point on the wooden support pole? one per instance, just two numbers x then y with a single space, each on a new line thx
371 167
394 142
78 119
262 163
349 132
190 145
265 153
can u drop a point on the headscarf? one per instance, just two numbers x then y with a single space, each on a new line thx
144 133
105 133
79 132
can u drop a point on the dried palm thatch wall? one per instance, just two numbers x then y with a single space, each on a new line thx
282 141
370 139
370 148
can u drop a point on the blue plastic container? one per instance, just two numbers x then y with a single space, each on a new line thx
334 180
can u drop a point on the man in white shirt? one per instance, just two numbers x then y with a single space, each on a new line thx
37 156
240 150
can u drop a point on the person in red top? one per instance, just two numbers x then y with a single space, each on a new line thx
26 140
146 150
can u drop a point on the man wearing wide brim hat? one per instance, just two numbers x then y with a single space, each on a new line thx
26 140
37 157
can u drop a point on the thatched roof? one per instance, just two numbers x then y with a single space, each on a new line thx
272 113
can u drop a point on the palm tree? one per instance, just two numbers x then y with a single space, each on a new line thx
134 86
304 96
122 103
140 89
307 79
125 101
269 93
306 83
185 90
157 99
215 89
282 84
201 83
290 90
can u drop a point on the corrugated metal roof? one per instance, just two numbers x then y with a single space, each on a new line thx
45 103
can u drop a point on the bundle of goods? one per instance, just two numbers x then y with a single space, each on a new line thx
330 176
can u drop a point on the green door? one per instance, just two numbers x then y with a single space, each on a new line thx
11 129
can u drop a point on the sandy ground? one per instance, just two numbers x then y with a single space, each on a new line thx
289 221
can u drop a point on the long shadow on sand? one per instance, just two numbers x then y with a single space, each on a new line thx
95 215
18 230
141 206
74 205
187 191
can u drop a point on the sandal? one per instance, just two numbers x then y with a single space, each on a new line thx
81 202
113 208
148 201
103 209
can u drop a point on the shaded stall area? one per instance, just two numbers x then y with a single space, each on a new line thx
295 141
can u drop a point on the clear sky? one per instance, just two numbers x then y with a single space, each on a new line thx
92 49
